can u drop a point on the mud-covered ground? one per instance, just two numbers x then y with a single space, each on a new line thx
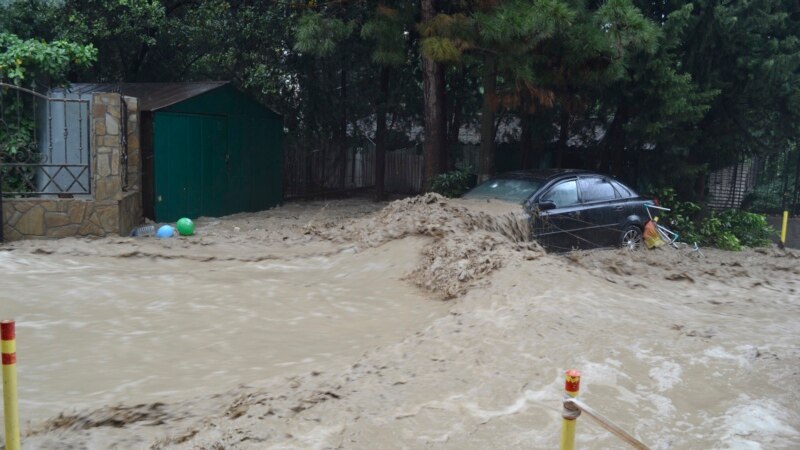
421 323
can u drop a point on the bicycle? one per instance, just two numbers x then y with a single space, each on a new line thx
666 235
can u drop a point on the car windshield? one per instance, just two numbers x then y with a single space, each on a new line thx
509 190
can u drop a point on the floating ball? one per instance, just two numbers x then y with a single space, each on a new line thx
166 231
185 226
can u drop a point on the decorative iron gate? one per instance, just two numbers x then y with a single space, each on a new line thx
44 144
123 141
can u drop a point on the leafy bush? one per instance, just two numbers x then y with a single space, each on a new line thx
713 231
17 145
751 229
728 230
683 217
453 184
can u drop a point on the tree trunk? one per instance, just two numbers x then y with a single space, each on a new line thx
380 137
486 160
433 95
697 187
444 149
343 128
528 156
453 143
526 140
615 141
455 118
308 133
563 135
452 137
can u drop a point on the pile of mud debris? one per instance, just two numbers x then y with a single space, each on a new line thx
468 244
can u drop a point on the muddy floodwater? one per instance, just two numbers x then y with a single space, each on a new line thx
98 330
420 323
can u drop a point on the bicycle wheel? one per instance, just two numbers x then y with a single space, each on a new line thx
667 235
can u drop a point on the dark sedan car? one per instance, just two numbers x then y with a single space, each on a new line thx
571 208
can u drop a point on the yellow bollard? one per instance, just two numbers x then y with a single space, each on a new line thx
8 345
783 228
570 412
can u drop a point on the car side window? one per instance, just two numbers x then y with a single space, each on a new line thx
596 189
563 194
623 191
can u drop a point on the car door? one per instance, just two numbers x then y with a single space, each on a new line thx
603 211
557 228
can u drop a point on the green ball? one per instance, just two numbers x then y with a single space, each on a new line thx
185 226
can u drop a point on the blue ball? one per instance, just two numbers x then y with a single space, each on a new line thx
166 231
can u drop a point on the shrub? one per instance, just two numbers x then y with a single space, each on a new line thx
453 184
751 229
682 218
728 230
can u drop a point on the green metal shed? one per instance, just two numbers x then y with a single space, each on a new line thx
208 149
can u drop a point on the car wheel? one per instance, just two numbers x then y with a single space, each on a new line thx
631 238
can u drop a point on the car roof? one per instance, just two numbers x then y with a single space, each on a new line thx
543 174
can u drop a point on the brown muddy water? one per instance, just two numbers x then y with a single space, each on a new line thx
100 330
322 325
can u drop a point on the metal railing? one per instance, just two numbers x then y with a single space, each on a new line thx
46 145
573 409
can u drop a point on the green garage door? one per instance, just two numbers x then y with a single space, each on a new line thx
190 164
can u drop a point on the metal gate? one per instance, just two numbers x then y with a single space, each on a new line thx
44 144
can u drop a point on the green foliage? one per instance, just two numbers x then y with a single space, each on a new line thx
16 139
16 145
775 173
749 52
730 229
453 184
628 28
386 29
752 230
26 59
441 49
766 197
682 217
318 35
653 92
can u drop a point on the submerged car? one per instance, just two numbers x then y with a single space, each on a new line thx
571 208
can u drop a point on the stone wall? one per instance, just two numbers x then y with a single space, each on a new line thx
113 208
57 218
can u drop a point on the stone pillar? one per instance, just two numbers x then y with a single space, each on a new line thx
130 205
106 147
112 209
134 151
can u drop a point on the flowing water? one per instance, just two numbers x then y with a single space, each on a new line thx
96 330
331 317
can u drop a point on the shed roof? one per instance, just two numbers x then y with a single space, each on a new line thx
152 96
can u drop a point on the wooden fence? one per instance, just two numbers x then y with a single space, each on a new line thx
324 170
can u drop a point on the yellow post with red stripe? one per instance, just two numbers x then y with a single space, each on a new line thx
570 412
8 345
784 223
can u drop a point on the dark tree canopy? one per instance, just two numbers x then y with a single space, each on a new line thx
658 93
